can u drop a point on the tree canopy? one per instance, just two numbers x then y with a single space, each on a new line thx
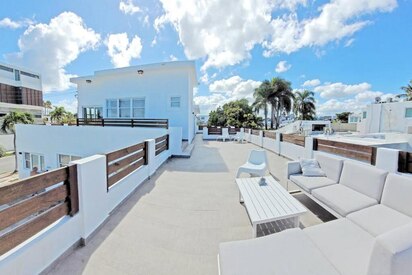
304 105
236 113
343 117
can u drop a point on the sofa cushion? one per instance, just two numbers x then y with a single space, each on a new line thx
311 168
397 193
330 165
392 253
379 219
342 199
310 183
346 245
284 253
363 178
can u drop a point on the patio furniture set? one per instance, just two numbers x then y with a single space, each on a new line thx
372 235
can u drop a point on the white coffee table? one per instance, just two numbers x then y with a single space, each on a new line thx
269 202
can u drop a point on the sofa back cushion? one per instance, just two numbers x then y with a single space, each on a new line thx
330 165
365 179
392 253
397 193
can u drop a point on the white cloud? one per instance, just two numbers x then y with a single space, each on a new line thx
311 83
172 57
225 90
349 42
336 20
206 30
346 98
69 105
282 67
205 78
49 48
121 50
9 23
127 7
340 90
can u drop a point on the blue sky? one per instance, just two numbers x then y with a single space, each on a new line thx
346 51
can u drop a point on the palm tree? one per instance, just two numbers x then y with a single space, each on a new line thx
47 106
9 122
281 99
304 105
408 90
58 114
262 95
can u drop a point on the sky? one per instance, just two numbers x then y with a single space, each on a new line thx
348 52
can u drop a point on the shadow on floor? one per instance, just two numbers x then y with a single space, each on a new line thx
315 208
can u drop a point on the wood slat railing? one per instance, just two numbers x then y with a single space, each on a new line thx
349 150
162 144
271 135
293 138
123 162
405 162
32 204
255 132
214 130
124 122
233 130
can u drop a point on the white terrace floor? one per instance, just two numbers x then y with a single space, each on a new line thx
175 221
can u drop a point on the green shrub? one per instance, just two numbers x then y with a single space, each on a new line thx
2 151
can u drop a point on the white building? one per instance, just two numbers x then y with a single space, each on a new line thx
386 117
20 90
155 91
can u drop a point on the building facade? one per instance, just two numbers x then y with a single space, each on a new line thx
20 90
154 91
386 117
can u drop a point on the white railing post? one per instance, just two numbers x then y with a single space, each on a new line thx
308 147
151 147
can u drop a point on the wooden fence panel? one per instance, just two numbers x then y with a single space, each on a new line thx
354 151
27 208
122 162
124 122
214 130
162 144
293 138
268 134
233 131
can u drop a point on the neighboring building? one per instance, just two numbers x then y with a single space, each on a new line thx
20 90
157 91
355 118
386 117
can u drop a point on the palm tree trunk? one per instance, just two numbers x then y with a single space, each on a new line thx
272 115
266 117
15 153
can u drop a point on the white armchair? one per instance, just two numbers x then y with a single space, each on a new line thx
225 135
256 165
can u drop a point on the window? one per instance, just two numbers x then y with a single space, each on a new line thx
4 68
64 160
138 107
112 106
34 160
92 112
175 102
353 119
408 112
17 75
30 75
364 115
124 109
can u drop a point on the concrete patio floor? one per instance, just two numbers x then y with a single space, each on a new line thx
175 221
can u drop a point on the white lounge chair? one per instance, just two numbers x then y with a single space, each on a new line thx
256 165
225 135
239 137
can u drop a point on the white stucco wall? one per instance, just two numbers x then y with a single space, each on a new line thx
386 117
82 141
156 85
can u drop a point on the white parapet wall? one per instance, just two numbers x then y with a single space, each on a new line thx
82 141
96 202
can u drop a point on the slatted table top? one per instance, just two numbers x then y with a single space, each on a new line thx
268 202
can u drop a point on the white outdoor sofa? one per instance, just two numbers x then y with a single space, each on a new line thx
348 186
374 240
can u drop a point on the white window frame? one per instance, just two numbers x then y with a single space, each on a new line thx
71 158
131 107
117 107
406 110
39 158
125 108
